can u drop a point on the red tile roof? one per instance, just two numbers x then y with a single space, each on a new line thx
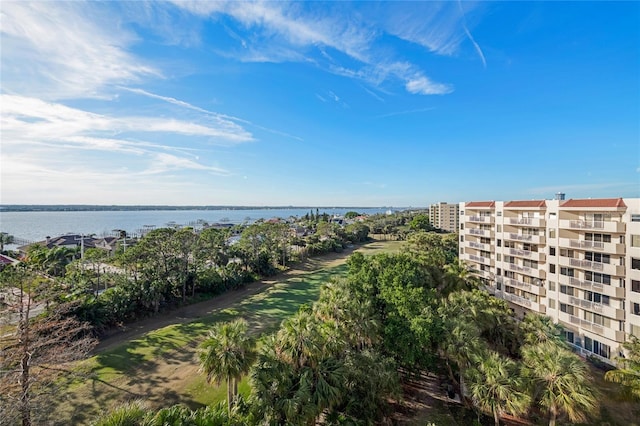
6 260
531 203
596 202
481 204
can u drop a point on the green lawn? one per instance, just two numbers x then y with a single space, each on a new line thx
139 369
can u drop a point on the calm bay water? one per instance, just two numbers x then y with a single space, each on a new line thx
35 226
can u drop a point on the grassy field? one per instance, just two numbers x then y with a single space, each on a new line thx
160 367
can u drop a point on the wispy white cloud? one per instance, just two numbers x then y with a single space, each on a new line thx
424 86
222 120
297 31
411 111
74 49
52 144
468 33
30 118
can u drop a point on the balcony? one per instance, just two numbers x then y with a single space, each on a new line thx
480 259
532 272
530 288
606 268
606 289
533 255
480 219
478 246
599 246
534 222
598 308
596 225
611 334
534 239
481 232
521 301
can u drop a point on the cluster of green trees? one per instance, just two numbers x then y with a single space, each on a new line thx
168 266
341 360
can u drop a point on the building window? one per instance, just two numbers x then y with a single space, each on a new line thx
462 226
552 251
552 268
635 286
568 335
499 243
567 271
499 214
552 304
552 233
601 349
462 238
600 258
635 218
499 228
498 257
635 308
635 263
552 286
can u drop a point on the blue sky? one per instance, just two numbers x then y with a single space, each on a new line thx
311 103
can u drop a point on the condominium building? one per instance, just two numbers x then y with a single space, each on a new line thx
577 261
444 216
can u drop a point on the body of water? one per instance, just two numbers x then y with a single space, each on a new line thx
36 226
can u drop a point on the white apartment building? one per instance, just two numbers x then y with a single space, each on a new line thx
577 261
444 216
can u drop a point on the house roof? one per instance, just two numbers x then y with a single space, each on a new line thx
526 203
481 204
596 202
6 260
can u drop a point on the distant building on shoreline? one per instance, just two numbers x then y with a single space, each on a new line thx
445 216
576 260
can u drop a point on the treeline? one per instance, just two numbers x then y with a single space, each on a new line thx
169 267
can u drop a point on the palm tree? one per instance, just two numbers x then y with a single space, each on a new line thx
540 329
227 354
298 340
560 381
495 386
458 276
629 374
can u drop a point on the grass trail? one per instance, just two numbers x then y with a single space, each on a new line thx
160 367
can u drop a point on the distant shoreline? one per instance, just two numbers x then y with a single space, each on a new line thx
92 207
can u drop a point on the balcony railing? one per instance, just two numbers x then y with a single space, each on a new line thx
519 268
586 224
517 299
596 328
589 264
479 259
527 221
586 244
479 218
524 237
586 304
519 284
476 231
587 285
608 226
479 246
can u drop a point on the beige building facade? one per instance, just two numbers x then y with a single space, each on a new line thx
577 261
445 216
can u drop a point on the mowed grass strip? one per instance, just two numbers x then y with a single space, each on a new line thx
161 366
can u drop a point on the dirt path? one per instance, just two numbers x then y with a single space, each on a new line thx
198 310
